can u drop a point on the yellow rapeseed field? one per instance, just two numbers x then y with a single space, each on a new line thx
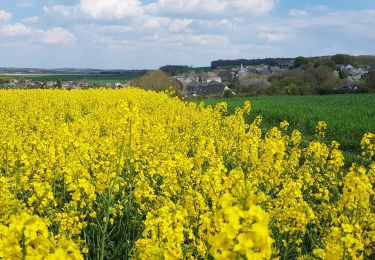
114 174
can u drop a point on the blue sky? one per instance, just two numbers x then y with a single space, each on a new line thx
133 34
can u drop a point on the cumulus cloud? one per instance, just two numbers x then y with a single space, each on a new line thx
17 29
209 40
178 25
163 23
5 16
273 37
121 9
112 28
62 10
110 9
32 19
57 35
202 8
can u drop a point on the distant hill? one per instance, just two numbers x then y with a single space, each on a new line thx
361 60
9 70
174 70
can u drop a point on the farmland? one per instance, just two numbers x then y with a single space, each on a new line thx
129 173
348 116
93 78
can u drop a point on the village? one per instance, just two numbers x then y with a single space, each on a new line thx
282 78
255 80
20 83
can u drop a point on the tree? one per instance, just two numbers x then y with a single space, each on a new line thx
343 59
156 80
325 61
59 83
174 70
298 61
370 80
289 86
252 84
321 76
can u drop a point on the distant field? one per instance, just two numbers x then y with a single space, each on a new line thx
348 116
90 78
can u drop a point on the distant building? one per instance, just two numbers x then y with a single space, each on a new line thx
264 70
212 89
213 78
225 76
283 65
275 70
352 86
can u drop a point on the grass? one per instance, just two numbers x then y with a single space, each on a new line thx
348 116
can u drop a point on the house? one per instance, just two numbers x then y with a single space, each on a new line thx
275 70
283 65
213 78
264 70
225 76
212 89
340 67
185 80
352 86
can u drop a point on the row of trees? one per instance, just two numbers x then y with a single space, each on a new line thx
309 76
332 61
252 62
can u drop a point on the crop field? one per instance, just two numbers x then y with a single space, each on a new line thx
89 78
348 116
129 173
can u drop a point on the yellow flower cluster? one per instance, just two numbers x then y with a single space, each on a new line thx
321 128
284 125
368 145
27 236
136 174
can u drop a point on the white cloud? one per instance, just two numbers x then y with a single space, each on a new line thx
122 9
32 19
209 40
62 10
352 24
17 29
204 8
178 25
273 37
151 22
113 28
5 16
57 35
162 23
297 12
110 9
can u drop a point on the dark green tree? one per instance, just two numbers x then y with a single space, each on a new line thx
300 60
325 61
370 80
343 59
